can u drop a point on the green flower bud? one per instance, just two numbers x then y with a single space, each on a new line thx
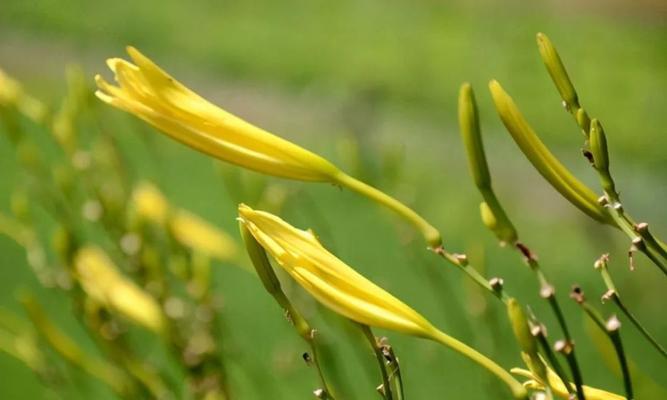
557 71
598 145
472 139
575 191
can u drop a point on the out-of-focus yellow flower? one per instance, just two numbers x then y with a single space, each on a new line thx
559 389
12 94
187 228
340 288
102 281
148 92
151 94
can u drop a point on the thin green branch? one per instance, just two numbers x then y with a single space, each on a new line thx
394 370
567 349
611 328
385 388
539 332
612 294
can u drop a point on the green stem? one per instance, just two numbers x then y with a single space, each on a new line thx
615 337
518 391
395 374
612 293
461 262
377 350
568 350
638 325
627 226
551 357
431 235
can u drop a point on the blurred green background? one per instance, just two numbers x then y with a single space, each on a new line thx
373 86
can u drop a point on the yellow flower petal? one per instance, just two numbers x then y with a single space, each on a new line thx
151 94
340 288
560 390
328 279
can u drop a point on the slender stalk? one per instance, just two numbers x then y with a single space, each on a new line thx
461 261
566 348
518 391
385 389
538 332
611 328
647 247
394 372
612 293
431 235
548 293
638 325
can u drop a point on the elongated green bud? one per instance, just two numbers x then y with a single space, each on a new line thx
598 145
495 218
557 71
488 218
520 327
543 160
472 139
524 337
583 120
493 215
260 261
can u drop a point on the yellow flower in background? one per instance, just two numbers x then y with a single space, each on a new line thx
12 94
559 388
102 281
187 228
340 288
148 92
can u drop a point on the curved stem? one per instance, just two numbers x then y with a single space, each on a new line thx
461 262
431 235
638 325
612 293
647 247
386 391
518 391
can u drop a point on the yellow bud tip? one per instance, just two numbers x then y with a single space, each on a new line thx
495 87
541 38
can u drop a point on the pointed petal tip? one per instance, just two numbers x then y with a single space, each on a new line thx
103 96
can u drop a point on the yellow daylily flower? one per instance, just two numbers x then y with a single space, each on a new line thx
148 92
102 281
188 229
343 290
559 389
151 94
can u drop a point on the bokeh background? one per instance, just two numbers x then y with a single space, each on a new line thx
373 86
